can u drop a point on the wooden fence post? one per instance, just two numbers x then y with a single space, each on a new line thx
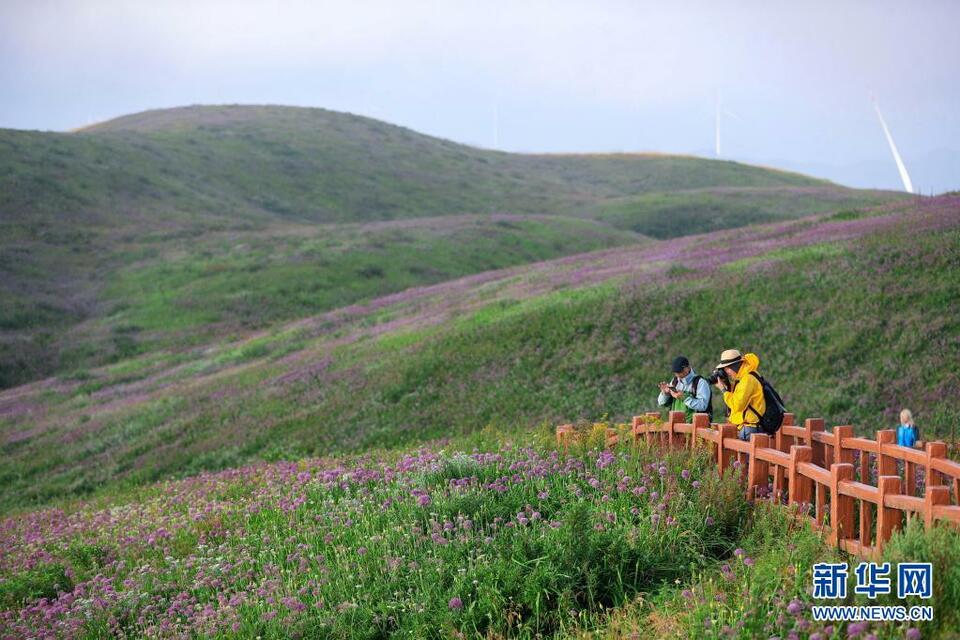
935 450
652 418
888 520
701 422
933 497
759 470
612 437
781 443
564 435
780 440
865 467
841 507
815 425
841 433
910 478
635 428
866 521
799 486
676 417
725 456
886 465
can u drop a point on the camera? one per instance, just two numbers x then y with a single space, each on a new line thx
719 374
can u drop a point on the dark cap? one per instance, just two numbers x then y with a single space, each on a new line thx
679 363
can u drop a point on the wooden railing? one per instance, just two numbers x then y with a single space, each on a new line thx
857 489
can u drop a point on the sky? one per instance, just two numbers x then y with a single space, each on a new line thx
795 79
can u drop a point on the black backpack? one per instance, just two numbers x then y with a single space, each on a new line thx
694 384
772 418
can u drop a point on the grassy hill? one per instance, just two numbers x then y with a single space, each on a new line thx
854 315
225 294
253 163
168 227
489 537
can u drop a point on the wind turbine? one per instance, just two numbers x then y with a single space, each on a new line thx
904 176
720 111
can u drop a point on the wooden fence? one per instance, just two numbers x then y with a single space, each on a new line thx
857 489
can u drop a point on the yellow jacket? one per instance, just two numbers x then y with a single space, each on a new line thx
747 392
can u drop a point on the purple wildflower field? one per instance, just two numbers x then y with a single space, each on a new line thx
430 544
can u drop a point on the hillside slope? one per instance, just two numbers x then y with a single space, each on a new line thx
854 315
312 164
111 237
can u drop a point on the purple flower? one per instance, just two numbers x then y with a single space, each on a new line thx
685 474
913 633
749 562
606 459
794 607
362 551
710 520
738 552
423 500
455 604
856 629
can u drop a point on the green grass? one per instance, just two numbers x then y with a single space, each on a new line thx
165 227
766 591
685 212
521 543
850 332
267 279
493 535
805 255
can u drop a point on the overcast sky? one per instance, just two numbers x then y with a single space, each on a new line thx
796 77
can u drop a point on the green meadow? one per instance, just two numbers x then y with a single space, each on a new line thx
287 373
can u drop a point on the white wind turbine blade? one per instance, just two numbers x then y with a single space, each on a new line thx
719 114
904 176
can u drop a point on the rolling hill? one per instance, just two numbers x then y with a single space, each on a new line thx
166 229
341 348
854 315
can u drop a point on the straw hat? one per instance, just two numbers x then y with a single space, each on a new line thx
729 357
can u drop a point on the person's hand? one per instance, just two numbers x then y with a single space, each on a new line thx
676 394
721 385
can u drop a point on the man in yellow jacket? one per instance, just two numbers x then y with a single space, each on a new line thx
742 392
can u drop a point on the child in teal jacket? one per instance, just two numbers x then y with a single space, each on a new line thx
907 432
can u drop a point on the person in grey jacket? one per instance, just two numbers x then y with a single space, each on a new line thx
687 392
